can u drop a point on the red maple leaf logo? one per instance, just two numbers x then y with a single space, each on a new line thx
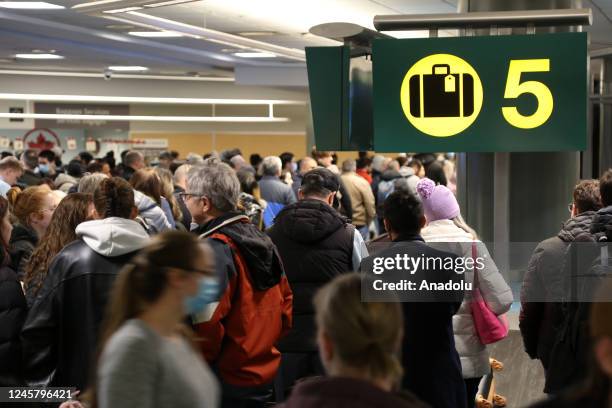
41 143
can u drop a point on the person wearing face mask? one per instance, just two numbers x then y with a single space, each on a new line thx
61 332
46 164
33 208
148 358
238 333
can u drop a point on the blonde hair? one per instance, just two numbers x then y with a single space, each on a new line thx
365 335
24 204
167 190
460 222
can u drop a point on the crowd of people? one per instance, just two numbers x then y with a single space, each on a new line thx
215 281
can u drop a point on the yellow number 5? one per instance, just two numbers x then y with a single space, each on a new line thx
514 88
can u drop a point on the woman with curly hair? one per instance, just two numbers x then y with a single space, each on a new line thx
72 210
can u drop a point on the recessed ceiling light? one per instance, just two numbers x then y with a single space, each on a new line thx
254 55
38 56
122 10
30 5
127 68
155 34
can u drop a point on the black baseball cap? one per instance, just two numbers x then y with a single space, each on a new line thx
321 177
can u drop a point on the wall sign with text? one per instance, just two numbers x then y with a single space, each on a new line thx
481 94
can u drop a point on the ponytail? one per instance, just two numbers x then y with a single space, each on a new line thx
141 283
25 203
114 197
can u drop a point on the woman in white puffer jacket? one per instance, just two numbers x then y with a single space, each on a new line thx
445 225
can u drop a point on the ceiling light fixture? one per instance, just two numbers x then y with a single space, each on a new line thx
155 34
254 55
39 56
122 10
215 36
167 3
29 5
135 118
128 68
257 33
145 99
94 3
116 76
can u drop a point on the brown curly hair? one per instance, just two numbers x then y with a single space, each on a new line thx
71 211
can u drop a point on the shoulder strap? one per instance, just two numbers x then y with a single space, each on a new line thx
223 224
474 269
150 207
603 252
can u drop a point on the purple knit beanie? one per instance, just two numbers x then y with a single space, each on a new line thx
439 202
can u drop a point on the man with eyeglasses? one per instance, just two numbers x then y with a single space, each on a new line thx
544 279
240 330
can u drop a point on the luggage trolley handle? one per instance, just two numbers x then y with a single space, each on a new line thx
433 69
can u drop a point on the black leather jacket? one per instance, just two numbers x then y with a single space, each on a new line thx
59 337
12 314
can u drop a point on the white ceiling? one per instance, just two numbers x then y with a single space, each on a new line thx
92 42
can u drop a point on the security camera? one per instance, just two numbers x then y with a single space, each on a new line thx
108 74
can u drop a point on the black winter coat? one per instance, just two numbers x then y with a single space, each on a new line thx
60 335
432 369
22 244
345 199
544 286
315 243
29 178
13 311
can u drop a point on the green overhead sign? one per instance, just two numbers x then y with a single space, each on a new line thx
481 94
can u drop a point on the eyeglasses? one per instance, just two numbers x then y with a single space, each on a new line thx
205 272
186 196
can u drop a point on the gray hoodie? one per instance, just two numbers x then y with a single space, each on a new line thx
152 213
113 236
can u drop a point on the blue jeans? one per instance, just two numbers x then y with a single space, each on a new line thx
364 231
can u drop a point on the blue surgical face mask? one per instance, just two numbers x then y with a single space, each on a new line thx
208 292
43 168
294 167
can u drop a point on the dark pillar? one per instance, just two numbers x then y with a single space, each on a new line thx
516 197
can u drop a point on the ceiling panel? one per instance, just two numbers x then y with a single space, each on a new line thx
94 42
